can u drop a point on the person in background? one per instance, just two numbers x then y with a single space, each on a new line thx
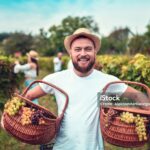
30 69
58 62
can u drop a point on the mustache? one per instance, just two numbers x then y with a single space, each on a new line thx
84 57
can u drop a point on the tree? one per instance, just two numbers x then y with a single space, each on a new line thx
105 46
67 27
140 43
136 44
147 40
4 36
17 41
118 40
41 42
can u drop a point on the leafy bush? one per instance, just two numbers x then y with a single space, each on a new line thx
46 63
8 80
136 68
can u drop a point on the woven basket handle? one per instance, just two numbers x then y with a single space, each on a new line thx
128 82
55 87
130 109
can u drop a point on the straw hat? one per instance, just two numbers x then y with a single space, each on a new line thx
82 32
33 54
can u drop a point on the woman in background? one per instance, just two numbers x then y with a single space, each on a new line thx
30 69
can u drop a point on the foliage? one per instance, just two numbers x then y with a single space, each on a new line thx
140 43
147 41
124 67
48 43
127 68
17 41
112 63
46 63
137 69
41 43
67 27
8 80
116 42
136 44
4 36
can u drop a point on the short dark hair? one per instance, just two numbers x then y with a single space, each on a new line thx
80 37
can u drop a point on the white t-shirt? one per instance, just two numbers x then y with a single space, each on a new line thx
57 64
70 65
80 127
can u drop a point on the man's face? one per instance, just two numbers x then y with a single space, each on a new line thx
83 54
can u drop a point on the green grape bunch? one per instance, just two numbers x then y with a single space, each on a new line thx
138 120
26 115
13 106
127 117
140 128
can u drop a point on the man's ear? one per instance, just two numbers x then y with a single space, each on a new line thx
96 52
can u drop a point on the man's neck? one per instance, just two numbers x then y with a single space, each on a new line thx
80 74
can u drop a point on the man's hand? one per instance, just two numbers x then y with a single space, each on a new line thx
2 122
138 97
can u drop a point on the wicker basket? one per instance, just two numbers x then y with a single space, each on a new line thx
35 134
120 133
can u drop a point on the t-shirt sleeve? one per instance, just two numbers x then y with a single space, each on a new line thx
46 88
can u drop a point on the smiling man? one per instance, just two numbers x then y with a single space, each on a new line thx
80 127
83 55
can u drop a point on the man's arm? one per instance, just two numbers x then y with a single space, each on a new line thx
34 93
138 96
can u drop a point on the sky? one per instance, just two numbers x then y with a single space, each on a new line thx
31 15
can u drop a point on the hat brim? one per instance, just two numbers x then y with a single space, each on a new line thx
68 40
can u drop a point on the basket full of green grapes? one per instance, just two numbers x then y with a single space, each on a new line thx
126 126
29 122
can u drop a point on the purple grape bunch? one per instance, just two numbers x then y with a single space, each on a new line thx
36 117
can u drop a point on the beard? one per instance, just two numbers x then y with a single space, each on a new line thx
83 69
